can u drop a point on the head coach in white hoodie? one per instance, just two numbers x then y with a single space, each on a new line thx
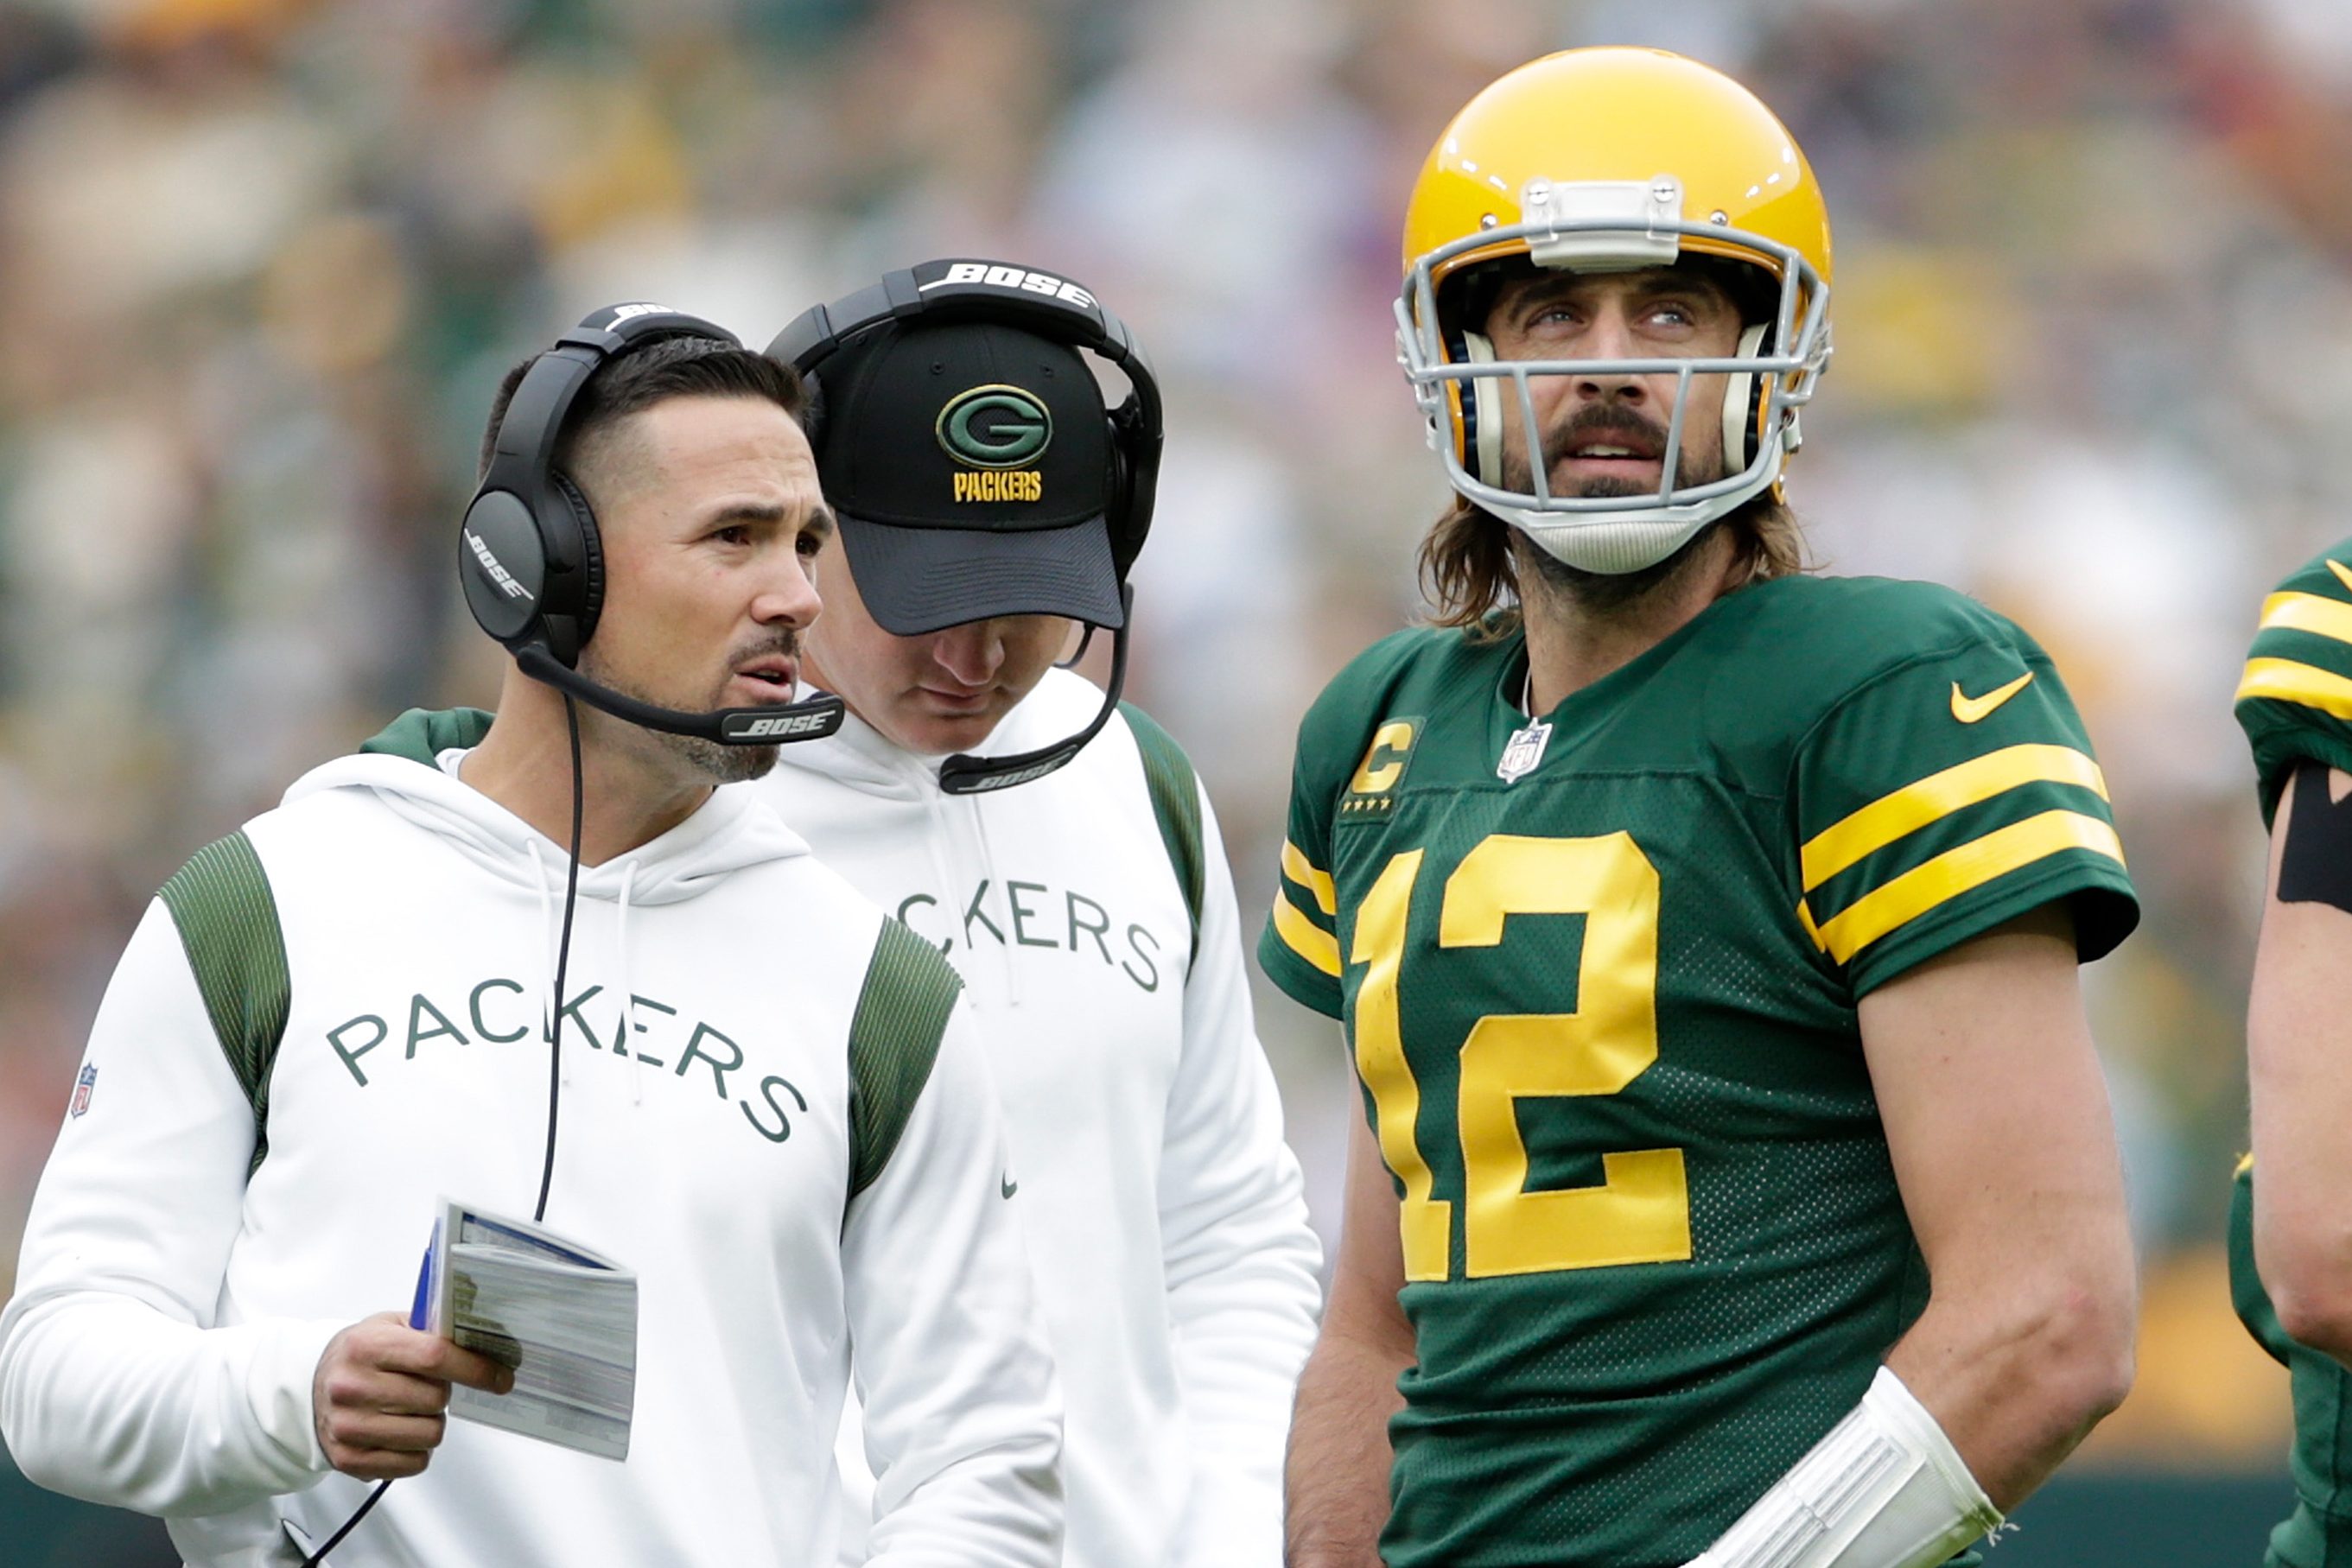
773 1105
989 504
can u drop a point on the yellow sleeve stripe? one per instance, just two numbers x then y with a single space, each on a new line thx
2308 612
2283 680
1295 867
1805 919
1938 796
1304 938
1957 871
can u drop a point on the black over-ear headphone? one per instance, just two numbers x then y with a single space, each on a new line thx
528 554
1052 307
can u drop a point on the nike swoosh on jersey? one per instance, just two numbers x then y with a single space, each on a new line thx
1007 1186
1969 709
2343 573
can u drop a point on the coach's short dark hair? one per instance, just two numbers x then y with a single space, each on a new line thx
651 374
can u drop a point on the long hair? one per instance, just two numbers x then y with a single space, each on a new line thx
1472 581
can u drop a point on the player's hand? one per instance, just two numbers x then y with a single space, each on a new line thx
378 1395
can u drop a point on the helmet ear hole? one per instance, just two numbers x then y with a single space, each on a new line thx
1482 412
1743 404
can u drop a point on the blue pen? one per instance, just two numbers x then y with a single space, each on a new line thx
418 1311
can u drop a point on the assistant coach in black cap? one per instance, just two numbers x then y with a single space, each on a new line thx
1055 845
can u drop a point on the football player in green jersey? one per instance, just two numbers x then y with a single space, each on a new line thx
1738 1185
2295 705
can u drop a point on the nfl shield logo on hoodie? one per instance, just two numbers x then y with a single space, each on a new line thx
82 1087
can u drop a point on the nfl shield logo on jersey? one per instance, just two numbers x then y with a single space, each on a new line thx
82 1087
1525 751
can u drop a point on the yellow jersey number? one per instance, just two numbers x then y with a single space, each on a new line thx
1641 1211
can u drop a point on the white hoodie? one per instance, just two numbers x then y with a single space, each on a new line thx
170 1311
1163 1211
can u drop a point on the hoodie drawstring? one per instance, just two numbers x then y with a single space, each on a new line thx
551 933
628 986
988 874
935 849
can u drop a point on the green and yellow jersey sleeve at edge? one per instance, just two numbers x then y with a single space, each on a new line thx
2294 703
1948 793
2294 699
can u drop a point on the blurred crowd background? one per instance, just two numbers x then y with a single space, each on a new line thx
262 261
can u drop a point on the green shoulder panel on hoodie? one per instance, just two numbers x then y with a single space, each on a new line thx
421 735
1176 802
893 1039
227 918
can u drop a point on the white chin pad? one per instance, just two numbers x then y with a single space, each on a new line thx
1610 547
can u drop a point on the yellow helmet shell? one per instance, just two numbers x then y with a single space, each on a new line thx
1611 160
1621 115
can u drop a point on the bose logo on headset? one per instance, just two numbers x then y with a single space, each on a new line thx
498 574
784 724
1015 277
1022 776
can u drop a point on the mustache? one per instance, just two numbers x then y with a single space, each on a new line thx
1597 421
785 644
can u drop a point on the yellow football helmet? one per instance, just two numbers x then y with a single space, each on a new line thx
1613 159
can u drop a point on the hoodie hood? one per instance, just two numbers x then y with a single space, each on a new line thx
402 766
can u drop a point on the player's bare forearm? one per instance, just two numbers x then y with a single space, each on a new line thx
1998 1122
2299 1048
2017 1382
1335 1478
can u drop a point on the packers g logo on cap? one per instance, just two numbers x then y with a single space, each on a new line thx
995 427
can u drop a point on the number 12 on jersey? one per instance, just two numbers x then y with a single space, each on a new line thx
1640 1213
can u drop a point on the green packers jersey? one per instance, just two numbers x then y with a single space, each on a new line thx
1599 975
2294 704
2318 1533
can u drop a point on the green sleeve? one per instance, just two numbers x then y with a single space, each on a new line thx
1951 791
1175 793
2294 702
901 1017
1299 948
222 904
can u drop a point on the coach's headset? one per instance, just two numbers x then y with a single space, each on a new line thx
1051 306
531 560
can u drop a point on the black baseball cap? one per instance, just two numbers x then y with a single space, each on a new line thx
969 464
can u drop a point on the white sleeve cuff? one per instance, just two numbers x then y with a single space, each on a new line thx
1885 1490
279 1383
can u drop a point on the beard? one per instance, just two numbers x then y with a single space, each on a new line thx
706 761
1600 593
